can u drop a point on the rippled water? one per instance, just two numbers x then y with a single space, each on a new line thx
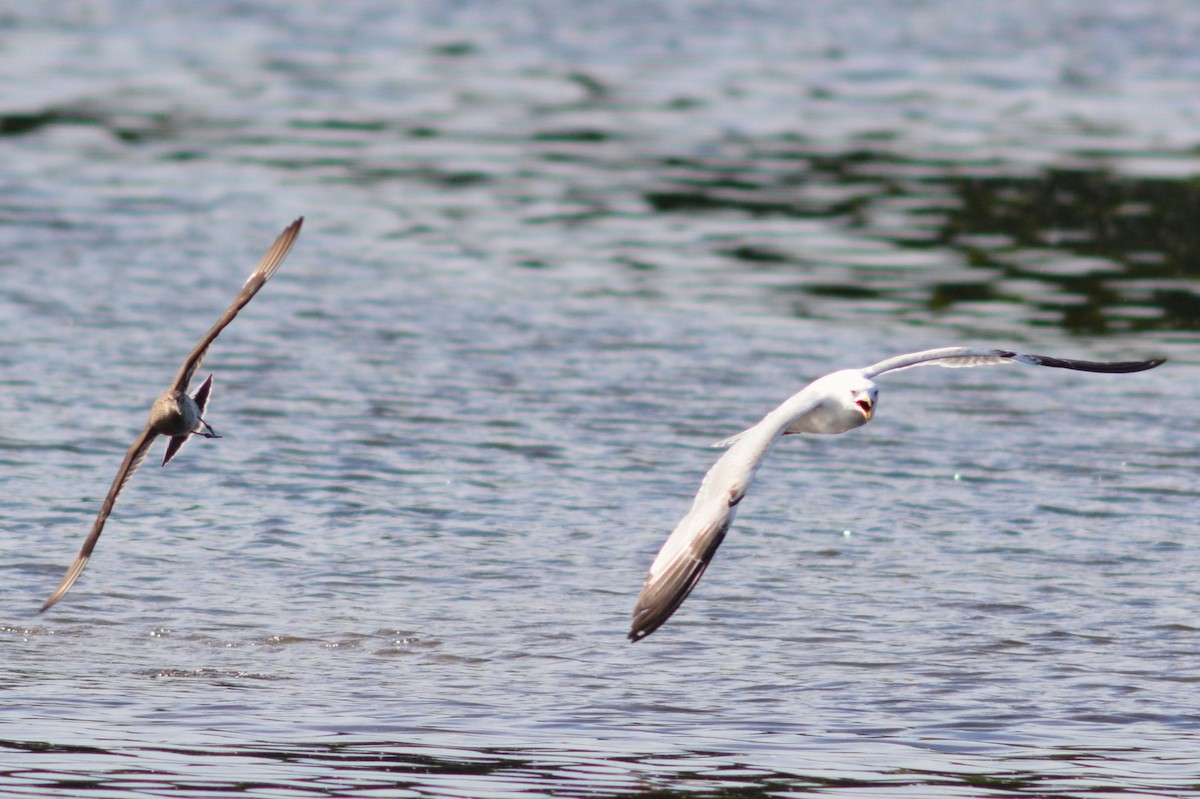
552 251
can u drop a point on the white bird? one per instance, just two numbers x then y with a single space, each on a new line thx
174 413
832 404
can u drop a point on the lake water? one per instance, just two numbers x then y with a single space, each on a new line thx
552 251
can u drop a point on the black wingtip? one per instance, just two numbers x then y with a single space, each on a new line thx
1105 367
638 631
647 618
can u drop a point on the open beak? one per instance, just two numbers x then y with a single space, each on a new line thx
864 404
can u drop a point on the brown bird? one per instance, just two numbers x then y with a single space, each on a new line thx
174 413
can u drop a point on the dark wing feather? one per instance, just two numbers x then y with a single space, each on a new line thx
133 459
663 593
202 394
1106 367
262 273
173 445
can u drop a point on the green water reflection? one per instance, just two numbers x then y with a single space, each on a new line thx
1090 251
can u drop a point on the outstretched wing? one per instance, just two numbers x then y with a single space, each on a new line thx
262 273
679 565
955 357
689 549
133 459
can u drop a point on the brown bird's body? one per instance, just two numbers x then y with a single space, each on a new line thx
175 414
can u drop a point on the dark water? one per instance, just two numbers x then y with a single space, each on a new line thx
551 252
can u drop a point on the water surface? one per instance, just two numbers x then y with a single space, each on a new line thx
551 253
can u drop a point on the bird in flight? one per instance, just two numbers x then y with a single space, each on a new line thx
832 404
174 414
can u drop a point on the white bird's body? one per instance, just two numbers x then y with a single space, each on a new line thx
174 413
832 404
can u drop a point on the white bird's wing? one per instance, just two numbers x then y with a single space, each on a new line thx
955 357
691 546
726 443
133 459
679 566
261 274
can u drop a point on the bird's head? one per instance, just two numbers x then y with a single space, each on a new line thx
854 395
847 401
863 397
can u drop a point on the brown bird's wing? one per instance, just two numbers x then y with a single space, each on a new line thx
133 459
261 274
